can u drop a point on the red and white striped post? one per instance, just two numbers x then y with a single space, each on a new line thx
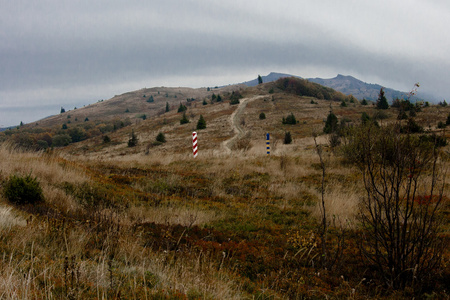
194 143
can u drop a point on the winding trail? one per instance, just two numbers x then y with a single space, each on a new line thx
236 124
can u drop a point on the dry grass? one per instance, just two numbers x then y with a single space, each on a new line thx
153 222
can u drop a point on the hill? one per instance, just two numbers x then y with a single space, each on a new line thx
150 221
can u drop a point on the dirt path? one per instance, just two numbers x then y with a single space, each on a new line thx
235 119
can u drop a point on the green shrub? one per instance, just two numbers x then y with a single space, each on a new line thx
161 137
262 116
23 190
287 138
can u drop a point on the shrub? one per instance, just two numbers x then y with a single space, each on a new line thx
287 138
161 137
262 116
184 119
331 125
133 141
182 108
400 236
61 140
289 119
23 190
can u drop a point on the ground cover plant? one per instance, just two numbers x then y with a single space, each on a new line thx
308 221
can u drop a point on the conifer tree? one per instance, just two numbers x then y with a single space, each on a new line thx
201 124
382 101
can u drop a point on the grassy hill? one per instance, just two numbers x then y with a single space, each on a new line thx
152 222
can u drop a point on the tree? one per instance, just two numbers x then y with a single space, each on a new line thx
184 119
161 137
260 80
331 125
204 102
201 124
262 116
150 99
63 110
167 106
287 138
289 119
382 101
364 102
399 211
133 141
182 108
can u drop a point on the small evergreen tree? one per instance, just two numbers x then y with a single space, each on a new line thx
382 101
287 138
182 108
167 106
161 137
260 80
289 120
331 125
364 102
365 119
201 124
204 102
262 116
219 98
63 110
150 99
106 139
23 190
184 119
133 141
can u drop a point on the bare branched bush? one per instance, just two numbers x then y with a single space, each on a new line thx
400 211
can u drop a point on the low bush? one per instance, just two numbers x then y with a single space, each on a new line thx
23 190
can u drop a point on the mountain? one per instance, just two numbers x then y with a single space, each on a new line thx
359 89
344 84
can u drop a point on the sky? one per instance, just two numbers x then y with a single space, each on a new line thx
65 53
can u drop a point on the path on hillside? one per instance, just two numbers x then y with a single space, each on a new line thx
235 122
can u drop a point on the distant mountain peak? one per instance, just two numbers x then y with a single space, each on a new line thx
346 84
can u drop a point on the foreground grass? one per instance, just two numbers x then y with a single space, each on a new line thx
160 227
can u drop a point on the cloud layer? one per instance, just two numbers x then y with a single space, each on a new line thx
60 53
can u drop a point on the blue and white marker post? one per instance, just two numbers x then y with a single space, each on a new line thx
268 143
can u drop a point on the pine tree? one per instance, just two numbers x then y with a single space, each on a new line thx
382 101
260 80
167 106
287 138
184 119
201 124
133 141
331 125
161 137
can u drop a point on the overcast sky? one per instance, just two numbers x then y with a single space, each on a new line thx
69 53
